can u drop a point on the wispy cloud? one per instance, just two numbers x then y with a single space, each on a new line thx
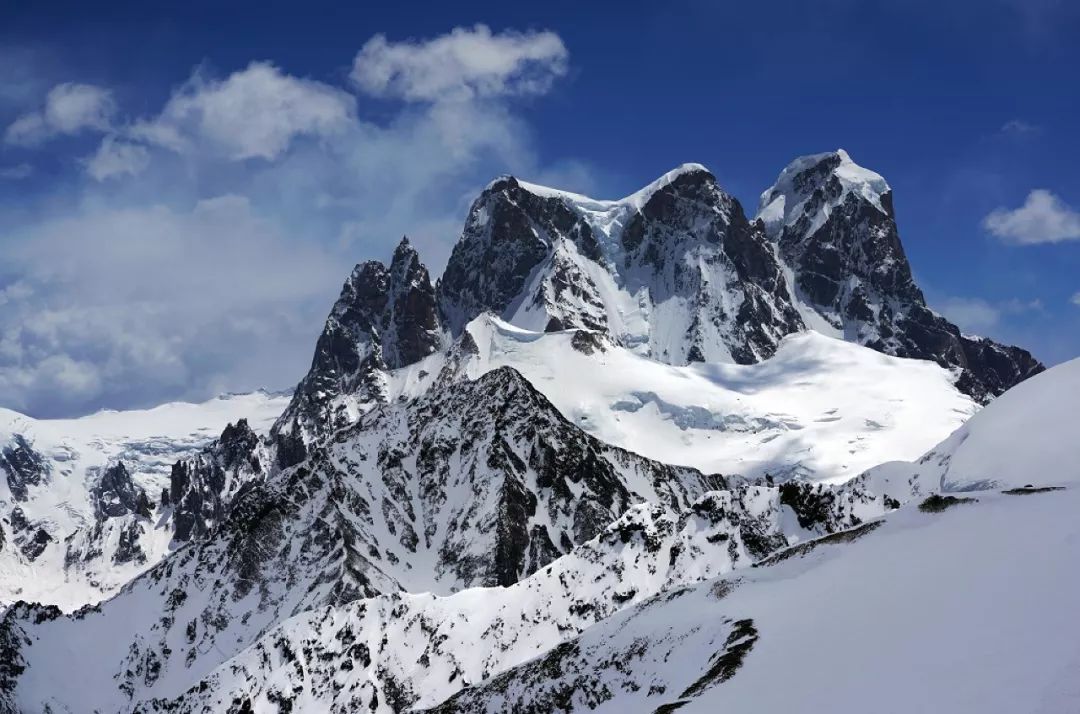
116 157
16 172
69 108
979 315
1044 218
1020 128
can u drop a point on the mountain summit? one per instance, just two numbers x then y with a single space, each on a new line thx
675 272
835 227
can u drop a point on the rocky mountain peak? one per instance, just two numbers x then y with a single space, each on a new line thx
385 317
810 187
674 270
116 494
834 224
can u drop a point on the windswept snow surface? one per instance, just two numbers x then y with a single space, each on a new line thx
968 610
75 453
820 408
1038 415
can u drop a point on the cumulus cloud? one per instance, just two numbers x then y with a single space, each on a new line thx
466 63
116 157
253 113
70 108
1044 218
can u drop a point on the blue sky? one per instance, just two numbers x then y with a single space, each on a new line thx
184 186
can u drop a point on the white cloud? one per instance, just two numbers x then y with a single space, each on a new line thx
253 113
144 304
116 157
1044 218
970 314
1075 299
466 63
69 108
16 172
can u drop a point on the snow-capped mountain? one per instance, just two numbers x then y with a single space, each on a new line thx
662 607
543 482
385 318
678 273
81 508
480 483
675 270
836 230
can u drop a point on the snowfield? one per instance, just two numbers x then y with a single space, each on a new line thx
1029 436
820 408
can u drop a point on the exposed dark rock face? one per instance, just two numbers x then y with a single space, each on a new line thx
535 256
696 239
202 487
116 494
835 226
503 483
508 233
384 318
29 537
24 466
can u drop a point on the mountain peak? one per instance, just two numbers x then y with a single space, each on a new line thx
633 200
812 186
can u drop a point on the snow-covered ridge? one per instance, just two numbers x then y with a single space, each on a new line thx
985 453
58 497
975 604
786 201
634 200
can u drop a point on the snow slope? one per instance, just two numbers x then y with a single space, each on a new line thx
820 408
74 454
968 610
985 453
400 650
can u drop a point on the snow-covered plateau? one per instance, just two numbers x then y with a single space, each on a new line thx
635 455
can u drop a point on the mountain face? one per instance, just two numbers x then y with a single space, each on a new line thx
479 483
385 318
309 564
835 226
538 484
87 504
675 271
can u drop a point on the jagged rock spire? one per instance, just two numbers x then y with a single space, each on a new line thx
384 318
